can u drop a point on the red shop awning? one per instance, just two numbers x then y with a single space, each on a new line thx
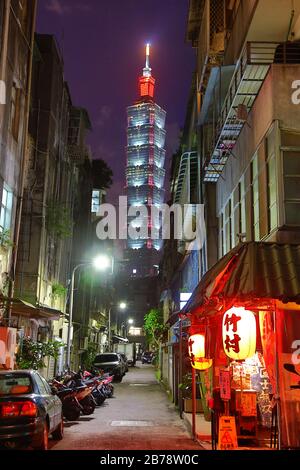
252 272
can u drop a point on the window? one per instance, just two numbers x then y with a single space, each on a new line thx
272 192
228 226
41 386
222 235
255 197
291 170
6 209
243 206
237 230
15 384
15 111
96 201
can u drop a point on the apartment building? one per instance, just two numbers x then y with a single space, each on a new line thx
248 64
17 23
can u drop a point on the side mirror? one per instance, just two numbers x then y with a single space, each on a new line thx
54 390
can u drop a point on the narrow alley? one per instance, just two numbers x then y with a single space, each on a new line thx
138 417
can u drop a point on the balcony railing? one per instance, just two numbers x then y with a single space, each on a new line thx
187 178
250 73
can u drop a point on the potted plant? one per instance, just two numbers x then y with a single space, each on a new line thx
186 387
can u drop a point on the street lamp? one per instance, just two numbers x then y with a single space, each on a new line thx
101 263
123 307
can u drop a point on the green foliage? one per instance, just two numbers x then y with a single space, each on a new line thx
186 385
58 291
31 355
59 220
154 326
102 175
5 239
88 356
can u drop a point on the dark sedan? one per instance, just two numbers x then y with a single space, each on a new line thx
147 357
29 411
111 363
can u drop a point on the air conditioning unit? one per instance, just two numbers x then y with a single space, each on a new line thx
8 342
84 343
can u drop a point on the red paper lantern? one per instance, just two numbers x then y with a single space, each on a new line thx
197 352
239 333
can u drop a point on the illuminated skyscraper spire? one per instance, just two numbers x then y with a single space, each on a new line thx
147 70
147 82
145 172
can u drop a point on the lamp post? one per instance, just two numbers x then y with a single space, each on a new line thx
123 307
101 263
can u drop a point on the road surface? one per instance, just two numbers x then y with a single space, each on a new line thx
140 417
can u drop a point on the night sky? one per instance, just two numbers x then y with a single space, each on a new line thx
103 48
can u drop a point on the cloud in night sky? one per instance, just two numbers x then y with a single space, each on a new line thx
104 116
60 7
55 6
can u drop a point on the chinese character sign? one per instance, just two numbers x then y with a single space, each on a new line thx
239 333
225 387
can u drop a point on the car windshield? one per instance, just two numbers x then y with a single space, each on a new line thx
106 358
13 384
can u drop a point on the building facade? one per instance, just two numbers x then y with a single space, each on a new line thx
243 139
17 24
145 173
249 126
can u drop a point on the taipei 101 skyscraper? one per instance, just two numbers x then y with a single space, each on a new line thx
145 173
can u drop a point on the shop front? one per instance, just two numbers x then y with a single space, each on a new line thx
244 346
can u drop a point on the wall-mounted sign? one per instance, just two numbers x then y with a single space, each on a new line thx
225 389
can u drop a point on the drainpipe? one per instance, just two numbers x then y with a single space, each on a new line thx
23 169
180 368
194 403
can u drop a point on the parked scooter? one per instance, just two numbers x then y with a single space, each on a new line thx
71 407
84 392
104 381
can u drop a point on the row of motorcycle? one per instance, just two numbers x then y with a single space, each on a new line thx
81 392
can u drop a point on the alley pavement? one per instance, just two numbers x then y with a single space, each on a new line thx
139 417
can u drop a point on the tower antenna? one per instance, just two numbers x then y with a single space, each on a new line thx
147 69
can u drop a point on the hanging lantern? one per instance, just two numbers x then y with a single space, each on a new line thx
197 352
239 333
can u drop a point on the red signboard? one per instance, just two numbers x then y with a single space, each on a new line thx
225 391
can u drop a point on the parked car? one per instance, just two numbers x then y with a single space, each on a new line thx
147 357
125 360
29 411
111 363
